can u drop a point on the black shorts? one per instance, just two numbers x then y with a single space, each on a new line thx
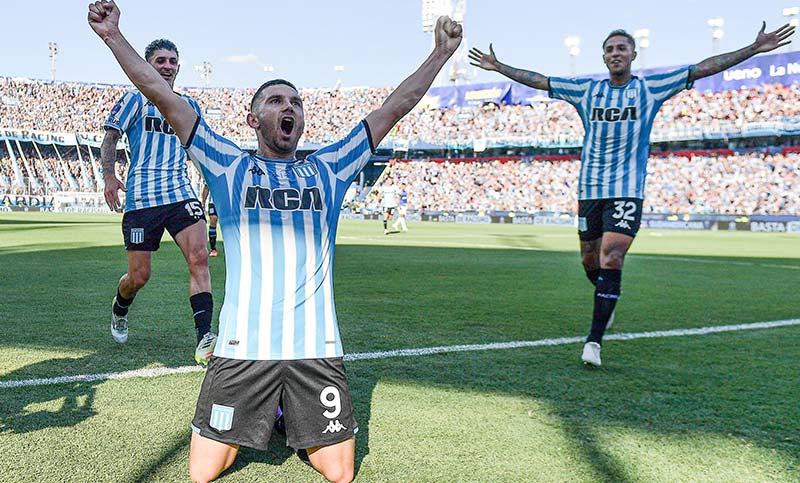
212 210
143 229
239 398
618 215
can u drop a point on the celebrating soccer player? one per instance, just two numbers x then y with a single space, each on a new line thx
617 115
159 197
278 334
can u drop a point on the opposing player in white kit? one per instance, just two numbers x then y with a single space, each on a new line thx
617 115
388 202
278 337
159 197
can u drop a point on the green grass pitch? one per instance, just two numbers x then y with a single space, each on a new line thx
700 408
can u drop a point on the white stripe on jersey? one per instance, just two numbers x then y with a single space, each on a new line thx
617 122
279 224
157 173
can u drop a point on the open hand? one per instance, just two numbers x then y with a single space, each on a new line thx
772 40
484 61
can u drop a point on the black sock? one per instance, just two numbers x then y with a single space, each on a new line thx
121 304
202 308
605 299
384 224
592 275
212 237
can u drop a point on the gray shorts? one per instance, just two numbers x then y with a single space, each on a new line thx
239 398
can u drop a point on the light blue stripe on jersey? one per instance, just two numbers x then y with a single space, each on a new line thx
157 173
279 221
617 121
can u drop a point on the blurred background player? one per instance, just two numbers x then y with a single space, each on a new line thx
388 202
212 220
402 209
617 115
280 341
159 196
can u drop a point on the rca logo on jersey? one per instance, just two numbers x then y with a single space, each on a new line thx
156 124
283 199
613 114
334 427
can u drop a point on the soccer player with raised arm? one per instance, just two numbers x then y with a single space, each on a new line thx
159 196
617 115
278 333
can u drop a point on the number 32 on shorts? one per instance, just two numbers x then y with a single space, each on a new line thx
624 210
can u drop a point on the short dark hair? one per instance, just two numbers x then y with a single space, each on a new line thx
159 44
273 82
620 33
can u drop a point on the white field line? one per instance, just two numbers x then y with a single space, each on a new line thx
163 371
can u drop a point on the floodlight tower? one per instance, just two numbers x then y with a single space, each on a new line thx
205 69
642 37
53 47
791 14
716 24
456 69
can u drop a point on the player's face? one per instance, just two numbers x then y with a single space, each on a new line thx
279 118
618 54
166 63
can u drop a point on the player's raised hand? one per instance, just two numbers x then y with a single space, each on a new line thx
484 61
104 17
448 34
772 40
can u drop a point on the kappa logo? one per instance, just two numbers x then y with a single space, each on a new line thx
255 170
623 224
334 427
137 235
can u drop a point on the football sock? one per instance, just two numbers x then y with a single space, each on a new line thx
202 308
605 299
121 304
212 237
385 225
592 275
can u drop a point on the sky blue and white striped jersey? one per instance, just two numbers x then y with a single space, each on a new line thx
617 121
157 174
279 221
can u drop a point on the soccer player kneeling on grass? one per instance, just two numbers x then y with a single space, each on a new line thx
278 337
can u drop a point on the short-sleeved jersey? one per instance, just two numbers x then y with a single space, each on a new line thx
403 199
617 121
158 171
279 221
389 196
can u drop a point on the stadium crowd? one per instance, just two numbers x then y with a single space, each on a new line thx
754 183
82 108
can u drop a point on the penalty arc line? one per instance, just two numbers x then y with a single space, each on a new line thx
164 371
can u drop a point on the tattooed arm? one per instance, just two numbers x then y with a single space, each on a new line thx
764 43
489 62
